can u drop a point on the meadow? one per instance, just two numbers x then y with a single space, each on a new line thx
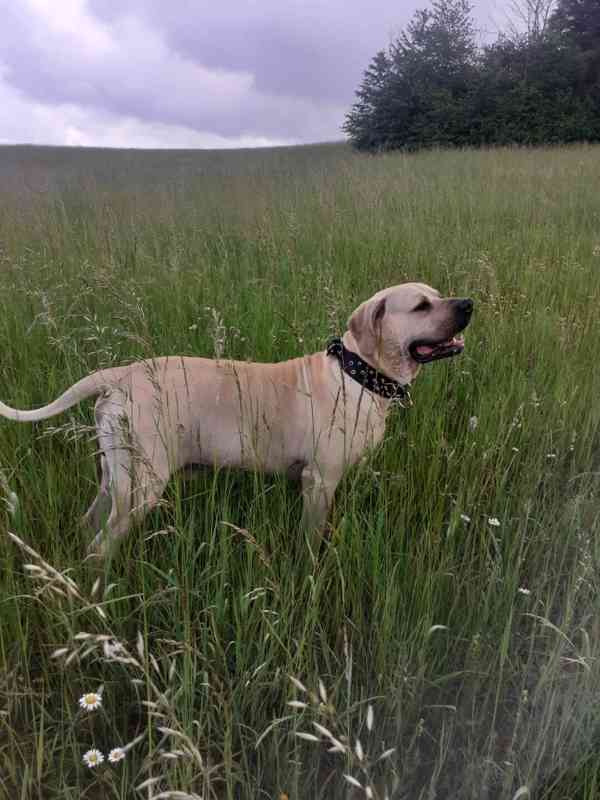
445 644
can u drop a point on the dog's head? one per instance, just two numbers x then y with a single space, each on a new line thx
400 328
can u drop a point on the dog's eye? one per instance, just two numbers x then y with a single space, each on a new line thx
424 305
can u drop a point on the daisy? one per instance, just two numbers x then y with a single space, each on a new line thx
93 758
523 590
90 701
494 522
116 754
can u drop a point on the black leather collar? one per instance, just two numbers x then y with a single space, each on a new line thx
362 372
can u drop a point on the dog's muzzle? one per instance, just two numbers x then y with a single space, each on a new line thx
425 350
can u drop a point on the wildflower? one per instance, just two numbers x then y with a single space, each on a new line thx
116 754
494 522
523 590
90 701
465 518
93 758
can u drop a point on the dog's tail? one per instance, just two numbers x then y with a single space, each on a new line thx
91 386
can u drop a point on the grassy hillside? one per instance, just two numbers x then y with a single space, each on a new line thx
458 596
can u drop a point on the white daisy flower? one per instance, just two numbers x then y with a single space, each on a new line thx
90 701
116 754
523 590
494 522
465 518
93 758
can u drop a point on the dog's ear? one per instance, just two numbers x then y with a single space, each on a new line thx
365 325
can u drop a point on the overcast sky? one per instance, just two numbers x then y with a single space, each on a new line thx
191 73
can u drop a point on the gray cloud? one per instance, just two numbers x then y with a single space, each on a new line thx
297 48
263 71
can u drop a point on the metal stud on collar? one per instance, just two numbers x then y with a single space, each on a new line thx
362 372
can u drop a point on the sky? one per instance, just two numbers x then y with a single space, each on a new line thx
191 73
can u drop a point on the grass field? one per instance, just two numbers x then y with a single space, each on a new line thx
453 615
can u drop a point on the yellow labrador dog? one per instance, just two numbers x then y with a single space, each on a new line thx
310 417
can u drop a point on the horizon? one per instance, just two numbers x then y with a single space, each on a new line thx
166 148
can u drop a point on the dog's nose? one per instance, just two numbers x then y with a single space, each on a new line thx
465 306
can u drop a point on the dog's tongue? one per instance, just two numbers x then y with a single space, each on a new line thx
429 349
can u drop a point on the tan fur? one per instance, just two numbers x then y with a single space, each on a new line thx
303 416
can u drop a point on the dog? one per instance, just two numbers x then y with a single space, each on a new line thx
310 417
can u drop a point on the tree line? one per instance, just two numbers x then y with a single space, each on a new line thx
434 86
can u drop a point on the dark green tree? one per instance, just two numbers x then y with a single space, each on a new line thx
577 23
433 86
526 94
368 122
422 81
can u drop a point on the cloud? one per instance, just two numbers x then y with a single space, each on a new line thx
32 122
127 68
300 48
186 73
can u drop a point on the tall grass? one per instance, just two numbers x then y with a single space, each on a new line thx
452 615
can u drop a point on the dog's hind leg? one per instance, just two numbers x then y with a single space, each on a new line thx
119 519
133 492
135 472
116 483
150 484
100 508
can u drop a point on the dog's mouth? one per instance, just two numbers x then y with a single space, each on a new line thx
424 350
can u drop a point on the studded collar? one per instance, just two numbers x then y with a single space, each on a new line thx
362 372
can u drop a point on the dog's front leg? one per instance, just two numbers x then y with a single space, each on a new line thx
318 488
